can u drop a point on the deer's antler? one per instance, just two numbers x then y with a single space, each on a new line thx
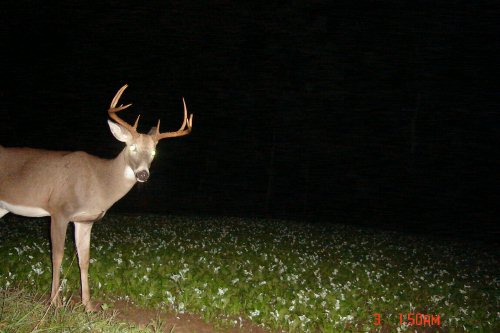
113 109
182 131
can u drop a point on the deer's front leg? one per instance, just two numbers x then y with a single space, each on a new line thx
82 239
58 226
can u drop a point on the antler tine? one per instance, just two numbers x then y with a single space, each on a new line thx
136 122
113 109
182 131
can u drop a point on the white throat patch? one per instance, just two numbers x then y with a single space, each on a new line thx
129 173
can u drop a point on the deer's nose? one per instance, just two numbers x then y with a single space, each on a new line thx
142 175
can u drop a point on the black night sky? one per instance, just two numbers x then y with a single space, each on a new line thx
383 115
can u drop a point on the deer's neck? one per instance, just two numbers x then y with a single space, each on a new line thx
120 177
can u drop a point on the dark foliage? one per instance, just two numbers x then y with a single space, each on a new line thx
381 114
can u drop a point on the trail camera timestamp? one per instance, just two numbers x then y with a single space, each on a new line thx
413 319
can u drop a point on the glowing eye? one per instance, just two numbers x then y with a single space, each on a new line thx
133 148
153 153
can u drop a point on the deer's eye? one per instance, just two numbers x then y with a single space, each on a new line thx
133 148
153 152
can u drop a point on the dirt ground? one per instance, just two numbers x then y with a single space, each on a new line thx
184 323
171 322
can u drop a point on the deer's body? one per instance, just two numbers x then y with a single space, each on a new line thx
77 187
67 189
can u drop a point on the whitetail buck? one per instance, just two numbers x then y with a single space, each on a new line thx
77 187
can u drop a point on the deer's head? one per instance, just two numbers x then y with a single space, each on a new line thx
141 148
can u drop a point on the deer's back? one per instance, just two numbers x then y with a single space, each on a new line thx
35 173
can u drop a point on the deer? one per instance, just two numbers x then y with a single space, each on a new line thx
78 187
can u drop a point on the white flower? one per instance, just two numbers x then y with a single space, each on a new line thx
37 270
170 297
254 313
275 315
304 320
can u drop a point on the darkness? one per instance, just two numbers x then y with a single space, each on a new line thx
383 115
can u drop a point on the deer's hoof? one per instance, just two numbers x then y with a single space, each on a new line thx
92 307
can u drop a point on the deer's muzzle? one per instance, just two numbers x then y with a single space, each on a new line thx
142 175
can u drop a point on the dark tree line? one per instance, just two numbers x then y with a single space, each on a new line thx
301 111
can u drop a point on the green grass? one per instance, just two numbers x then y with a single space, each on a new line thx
21 311
282 275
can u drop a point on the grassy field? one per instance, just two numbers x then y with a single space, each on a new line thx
25 312
289 276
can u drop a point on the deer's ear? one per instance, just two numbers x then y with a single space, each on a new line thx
120 132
